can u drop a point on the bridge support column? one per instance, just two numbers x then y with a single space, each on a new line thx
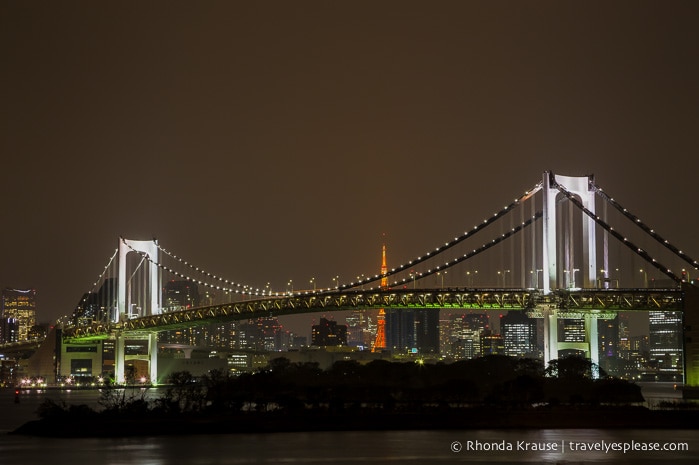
153 357
149 354
552 345
550 335
592 337
690 336
119 376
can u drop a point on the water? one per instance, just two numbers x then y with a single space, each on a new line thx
338 448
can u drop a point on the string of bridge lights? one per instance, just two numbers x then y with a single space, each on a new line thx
637 221
204 272
473 253
246 290
624 240
99 278
238 288
447 245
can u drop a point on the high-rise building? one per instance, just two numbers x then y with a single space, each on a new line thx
100 306
608 337
400 330
624 336
491 344
427 331
468 347
8 330
465 334
180 295
20 305
519 335
609 347
360 331
573 329
262 334
329 333
665 340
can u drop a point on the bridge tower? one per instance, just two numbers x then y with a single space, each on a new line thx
581 187
380 342
150 249
152 305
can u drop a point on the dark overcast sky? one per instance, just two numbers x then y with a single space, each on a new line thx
278 140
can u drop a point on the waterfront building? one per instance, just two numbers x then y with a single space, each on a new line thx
20 305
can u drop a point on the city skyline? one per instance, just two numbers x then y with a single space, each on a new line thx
278 144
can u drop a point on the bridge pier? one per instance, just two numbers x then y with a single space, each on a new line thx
592 336
550 335
690 323
551 343
119 375
153 357
150 356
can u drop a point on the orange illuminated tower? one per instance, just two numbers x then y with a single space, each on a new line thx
380 342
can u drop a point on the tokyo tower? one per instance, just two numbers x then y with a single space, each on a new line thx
380 342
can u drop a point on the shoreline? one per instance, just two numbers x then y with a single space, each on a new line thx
152 424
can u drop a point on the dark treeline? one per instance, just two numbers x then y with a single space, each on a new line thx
380 386
408 386
488 392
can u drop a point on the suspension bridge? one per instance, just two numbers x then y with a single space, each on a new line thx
563 249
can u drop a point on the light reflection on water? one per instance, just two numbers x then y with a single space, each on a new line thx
338 448
342 448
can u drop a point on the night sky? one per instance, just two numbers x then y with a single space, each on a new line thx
268 141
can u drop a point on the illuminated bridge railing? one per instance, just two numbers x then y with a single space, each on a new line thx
468 299
621 299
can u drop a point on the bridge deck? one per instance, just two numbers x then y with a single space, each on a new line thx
572 301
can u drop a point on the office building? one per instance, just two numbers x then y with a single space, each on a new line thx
180 295
492 344
665 343
361 332
519 335
465 334
8 330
